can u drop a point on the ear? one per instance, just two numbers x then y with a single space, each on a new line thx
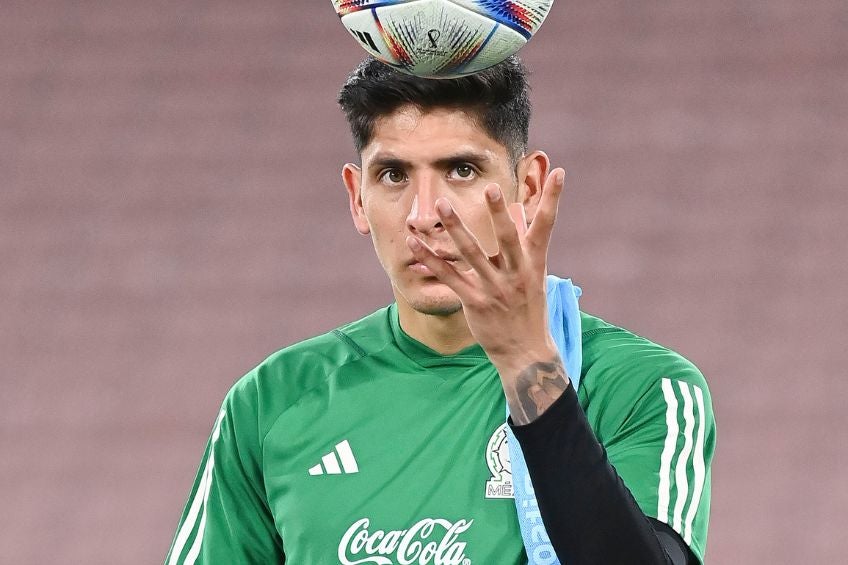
532 172
352 178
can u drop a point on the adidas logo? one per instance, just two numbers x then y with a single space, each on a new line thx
330 464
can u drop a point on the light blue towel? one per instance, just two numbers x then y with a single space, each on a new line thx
564 321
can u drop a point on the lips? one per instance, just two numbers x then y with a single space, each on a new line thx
444 255
447 256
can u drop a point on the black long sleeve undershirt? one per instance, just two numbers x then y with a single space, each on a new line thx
588 512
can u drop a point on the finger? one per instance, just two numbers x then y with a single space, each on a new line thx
466 243
506 233
519 217
440 268
539 233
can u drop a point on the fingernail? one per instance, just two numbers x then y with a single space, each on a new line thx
561 177
413 243
493 193
444 208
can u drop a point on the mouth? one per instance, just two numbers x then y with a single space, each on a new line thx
448 257
451 258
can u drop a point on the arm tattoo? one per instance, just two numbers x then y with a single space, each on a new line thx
537 387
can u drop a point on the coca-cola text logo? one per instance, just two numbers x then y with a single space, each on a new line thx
431 540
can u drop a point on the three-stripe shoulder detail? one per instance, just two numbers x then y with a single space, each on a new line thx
682 467
195 520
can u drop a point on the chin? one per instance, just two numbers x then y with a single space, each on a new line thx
437 308
433 301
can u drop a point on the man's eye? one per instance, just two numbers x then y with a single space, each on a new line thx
394 176
464 171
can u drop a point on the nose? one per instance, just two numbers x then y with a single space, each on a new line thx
422 218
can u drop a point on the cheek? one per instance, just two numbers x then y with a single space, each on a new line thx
386 228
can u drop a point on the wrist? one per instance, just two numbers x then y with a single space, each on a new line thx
517 360
532 381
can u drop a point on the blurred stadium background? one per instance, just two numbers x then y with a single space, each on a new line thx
171 212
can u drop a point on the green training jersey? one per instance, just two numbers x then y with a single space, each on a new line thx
363 446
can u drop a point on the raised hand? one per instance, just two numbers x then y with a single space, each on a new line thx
503 296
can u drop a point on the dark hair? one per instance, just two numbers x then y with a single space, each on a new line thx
496 97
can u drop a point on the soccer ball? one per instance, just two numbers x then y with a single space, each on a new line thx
442 38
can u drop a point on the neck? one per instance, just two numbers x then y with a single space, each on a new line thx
446 334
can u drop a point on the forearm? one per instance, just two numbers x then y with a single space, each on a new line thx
588 512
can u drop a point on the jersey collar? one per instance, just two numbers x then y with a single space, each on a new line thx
427 357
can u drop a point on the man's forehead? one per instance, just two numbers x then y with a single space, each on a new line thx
408 120
406 117
432 133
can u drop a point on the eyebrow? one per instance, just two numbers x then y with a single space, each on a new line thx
389 161
463 157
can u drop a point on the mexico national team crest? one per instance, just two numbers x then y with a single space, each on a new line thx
497 458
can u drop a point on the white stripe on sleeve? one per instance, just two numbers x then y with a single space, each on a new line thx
681 474
198 502
198 539
699 468
670 447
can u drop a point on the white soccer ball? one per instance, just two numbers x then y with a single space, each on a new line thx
442 38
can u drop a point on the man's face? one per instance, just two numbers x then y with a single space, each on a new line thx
413 159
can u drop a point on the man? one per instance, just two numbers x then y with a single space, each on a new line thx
384 440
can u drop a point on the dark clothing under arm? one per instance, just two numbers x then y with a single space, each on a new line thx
588 512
